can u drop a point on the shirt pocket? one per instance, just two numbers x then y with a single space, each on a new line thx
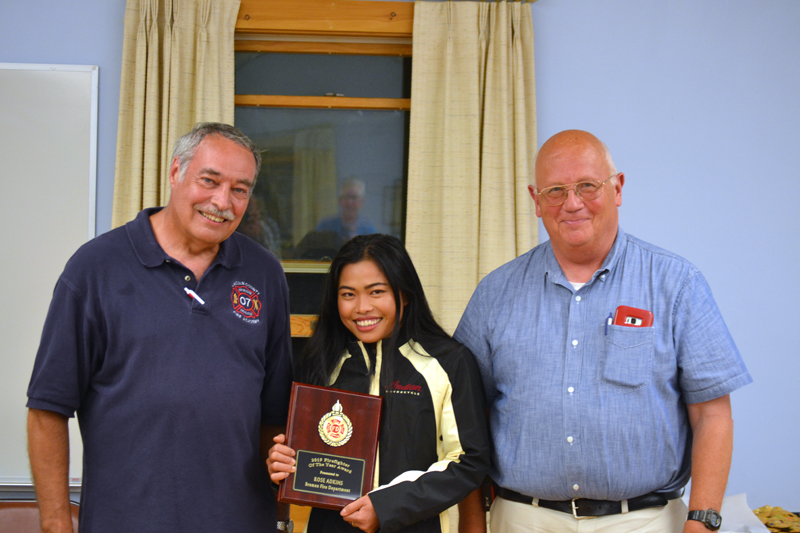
627 365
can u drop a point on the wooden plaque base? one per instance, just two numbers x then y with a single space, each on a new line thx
331 474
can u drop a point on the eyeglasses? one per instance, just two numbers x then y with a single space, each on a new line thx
585 190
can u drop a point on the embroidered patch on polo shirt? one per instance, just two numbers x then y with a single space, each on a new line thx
246 303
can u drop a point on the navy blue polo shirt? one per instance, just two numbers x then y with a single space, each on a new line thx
170 393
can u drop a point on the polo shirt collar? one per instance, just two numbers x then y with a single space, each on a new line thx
150 253
553 269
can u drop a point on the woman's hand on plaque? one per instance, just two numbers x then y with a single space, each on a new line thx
361 514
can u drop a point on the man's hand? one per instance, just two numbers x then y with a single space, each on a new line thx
693 526
280 459
361 514
48 448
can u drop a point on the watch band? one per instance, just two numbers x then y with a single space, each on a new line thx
710 518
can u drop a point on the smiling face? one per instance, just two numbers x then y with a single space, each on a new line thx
578 227
211 197
367 305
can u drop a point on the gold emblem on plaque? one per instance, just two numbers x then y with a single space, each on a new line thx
335 428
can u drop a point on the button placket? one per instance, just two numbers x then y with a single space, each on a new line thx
572 374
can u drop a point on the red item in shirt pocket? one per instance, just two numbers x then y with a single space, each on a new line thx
633 317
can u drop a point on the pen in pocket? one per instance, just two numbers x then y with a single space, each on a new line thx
609 320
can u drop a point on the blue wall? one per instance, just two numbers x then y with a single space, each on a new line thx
698 102
88 32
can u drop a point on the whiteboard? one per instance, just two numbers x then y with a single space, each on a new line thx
48 150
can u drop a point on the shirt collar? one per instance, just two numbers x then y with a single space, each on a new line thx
553 269
150 253
614 255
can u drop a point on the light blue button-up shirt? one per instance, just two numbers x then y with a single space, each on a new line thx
583 409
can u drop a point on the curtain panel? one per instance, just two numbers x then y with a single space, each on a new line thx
471 146
177 70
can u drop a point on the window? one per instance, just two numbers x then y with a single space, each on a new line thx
333 130
327 101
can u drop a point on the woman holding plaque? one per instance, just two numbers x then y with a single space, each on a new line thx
377 335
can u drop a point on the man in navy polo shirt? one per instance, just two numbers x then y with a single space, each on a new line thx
607 367
170 338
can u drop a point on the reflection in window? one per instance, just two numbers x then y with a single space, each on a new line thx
320 74
327 174
259 226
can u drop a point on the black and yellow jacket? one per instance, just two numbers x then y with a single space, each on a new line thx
433 448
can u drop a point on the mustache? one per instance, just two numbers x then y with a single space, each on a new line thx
211 210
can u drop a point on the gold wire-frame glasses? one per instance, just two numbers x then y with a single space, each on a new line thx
585 190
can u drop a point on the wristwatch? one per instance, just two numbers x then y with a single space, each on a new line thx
286 525
710 518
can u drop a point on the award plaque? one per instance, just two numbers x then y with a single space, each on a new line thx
335 435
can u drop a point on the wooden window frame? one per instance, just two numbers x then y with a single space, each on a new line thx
353 18
344 27
302 325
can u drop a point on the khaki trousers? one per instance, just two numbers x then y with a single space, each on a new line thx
512 517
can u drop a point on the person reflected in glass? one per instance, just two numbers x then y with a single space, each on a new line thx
349 222
376 334
260 227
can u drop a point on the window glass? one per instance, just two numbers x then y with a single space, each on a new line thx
323 74
305 295
327 175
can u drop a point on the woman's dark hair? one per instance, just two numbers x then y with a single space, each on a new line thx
331 337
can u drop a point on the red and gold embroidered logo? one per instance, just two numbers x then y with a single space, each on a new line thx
245 301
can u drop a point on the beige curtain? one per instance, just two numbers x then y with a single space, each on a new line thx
177 70
471 147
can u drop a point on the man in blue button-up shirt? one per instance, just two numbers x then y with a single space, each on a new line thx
590 415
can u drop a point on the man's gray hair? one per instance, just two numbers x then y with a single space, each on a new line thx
354 183
187 145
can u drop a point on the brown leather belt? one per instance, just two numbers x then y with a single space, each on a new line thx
587 508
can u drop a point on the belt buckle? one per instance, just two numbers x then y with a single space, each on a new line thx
575 511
